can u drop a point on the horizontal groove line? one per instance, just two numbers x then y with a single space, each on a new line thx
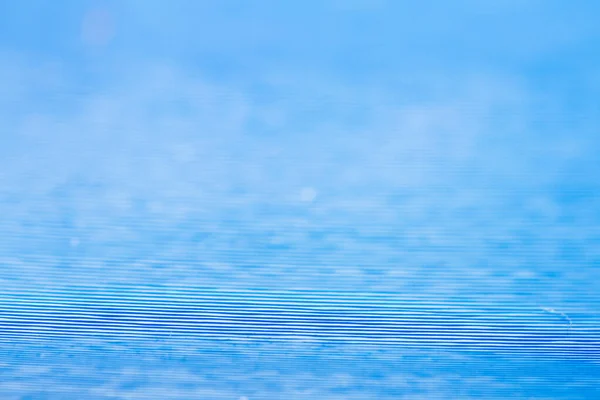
218 334
56 274
193 293
297 312
242 297
231 292
292 312
200 340
298 305
279 306
350 329
259 314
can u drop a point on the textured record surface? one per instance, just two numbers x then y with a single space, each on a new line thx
228 202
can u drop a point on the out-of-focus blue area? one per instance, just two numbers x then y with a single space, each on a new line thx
432 168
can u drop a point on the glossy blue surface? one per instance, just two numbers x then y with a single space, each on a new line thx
298 200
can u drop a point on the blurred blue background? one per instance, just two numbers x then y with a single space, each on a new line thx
443 151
